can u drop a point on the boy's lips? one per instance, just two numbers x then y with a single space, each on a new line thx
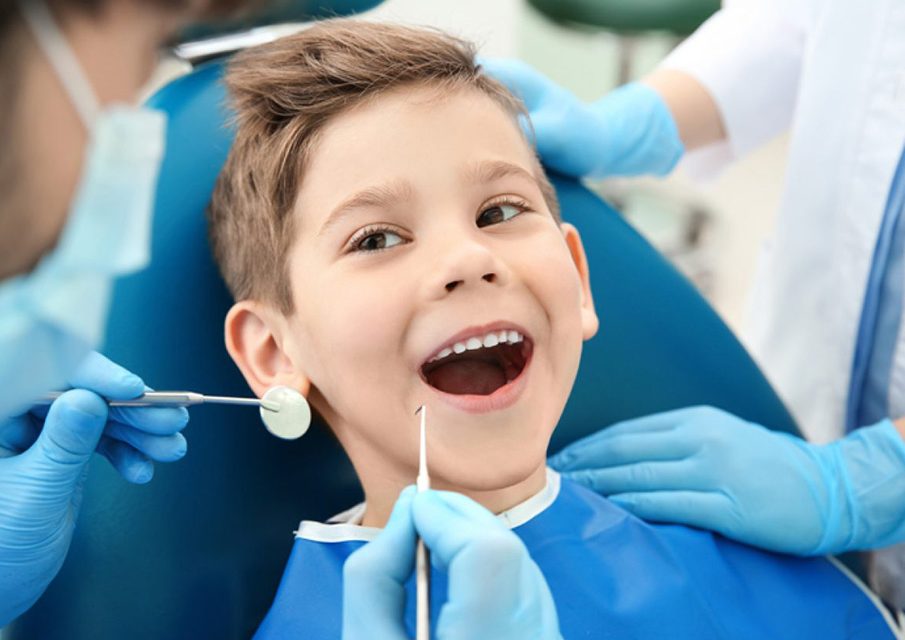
481 368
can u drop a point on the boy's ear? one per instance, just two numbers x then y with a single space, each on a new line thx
254 341
589 321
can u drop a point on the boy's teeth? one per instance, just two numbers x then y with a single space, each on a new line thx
492 339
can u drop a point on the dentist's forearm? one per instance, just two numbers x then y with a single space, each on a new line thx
694 110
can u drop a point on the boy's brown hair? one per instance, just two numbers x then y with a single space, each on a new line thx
283 94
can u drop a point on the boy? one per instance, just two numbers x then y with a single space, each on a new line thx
391 241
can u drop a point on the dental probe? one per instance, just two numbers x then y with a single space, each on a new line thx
422 554
179 399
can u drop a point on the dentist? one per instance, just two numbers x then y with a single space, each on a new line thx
77 178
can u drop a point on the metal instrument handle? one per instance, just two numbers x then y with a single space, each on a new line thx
177 399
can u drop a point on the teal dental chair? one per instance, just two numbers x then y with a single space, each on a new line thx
198 552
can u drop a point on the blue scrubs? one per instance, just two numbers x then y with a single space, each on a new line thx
612 576
881 315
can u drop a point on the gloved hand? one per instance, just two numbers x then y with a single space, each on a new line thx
706 468
43 461
628 132
495 590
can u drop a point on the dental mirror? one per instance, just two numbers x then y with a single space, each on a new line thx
293 417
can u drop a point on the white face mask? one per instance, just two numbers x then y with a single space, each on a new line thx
52 317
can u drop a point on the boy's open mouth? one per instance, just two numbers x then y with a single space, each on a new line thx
479 365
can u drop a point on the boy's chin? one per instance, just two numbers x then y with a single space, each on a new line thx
489 471
470 455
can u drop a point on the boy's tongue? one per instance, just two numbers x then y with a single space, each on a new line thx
472 377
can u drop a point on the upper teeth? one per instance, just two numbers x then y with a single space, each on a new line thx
491 339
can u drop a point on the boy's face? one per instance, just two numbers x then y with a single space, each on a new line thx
421 228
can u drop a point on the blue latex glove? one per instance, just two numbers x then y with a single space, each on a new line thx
496 591
628 132
43 461
707 468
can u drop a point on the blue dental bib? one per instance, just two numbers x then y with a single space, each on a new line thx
612 576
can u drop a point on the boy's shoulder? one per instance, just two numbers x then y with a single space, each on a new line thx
700 581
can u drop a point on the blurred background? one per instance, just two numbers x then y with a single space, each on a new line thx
712 232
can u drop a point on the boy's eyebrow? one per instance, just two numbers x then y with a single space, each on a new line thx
382 195
490 170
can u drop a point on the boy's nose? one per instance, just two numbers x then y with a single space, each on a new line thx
487 277
469 264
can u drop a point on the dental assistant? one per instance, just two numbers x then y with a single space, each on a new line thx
826 313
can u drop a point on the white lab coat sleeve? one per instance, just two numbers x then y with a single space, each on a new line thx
748 55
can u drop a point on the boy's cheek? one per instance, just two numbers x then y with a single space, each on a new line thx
553 276
361 322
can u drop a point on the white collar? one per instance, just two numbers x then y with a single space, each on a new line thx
346 526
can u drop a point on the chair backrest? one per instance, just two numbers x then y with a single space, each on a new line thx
198 552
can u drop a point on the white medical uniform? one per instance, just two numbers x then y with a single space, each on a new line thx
834 72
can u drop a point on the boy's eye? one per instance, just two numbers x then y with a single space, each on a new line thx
498 213
377 239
